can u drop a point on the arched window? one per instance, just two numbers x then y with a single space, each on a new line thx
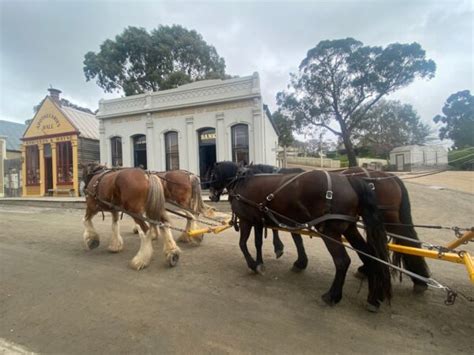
172 151
139 151
240 143
116 147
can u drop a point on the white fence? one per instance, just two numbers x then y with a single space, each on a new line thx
317 162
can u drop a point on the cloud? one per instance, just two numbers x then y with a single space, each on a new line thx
44 42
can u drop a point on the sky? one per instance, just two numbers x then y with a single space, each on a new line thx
43 43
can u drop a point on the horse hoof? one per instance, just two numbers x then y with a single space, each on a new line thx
360 275
419 288
173 259
296 269
260 269
137 264
115 248
278 253
327 298
372 308
93 243
135 230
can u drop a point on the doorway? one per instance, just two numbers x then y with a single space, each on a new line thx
48 169
400 158
139 151
207 151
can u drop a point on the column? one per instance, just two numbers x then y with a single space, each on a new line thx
41 165
23 170
258 140
221 138
54 162
150 149
75 166
190 147
103 146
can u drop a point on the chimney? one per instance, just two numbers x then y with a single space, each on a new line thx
54 94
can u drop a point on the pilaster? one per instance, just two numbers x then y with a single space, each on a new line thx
103 141
23 170
190 154
75 166
42 170
150 150
54 164
221 138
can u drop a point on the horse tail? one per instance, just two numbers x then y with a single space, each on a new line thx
376 237
155 202
197 204
416 264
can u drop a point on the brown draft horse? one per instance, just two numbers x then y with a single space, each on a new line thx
137 192
393 200
183 189
304 200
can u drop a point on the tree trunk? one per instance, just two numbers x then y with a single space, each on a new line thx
349 149
346 138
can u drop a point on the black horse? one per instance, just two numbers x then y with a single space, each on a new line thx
222 173
315 200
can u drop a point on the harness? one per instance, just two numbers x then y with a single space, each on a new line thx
295 225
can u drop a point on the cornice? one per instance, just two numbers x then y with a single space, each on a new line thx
197 95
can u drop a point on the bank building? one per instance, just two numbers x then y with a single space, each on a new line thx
189 127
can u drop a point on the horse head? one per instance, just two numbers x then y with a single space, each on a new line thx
219 177
89 170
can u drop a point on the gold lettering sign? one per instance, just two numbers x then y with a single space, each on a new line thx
48 140
47 122
208 136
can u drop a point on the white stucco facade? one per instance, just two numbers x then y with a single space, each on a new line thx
214 104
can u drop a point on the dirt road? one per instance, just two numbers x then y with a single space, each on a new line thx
55 297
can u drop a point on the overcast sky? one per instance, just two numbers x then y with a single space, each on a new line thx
44 42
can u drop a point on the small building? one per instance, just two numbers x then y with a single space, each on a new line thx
59 137
417 157
10 158
189 127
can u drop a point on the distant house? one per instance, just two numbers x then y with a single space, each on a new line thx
59 137
10 158
416 157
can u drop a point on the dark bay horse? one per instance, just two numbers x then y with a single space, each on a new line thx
222 173
302 199
393 200
137 192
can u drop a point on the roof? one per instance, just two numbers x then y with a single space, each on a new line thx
13 131
416 146
86 124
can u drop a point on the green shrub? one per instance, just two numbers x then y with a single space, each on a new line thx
461 159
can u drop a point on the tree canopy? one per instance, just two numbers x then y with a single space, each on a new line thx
391 124
458 119
138 61
284 125
341 80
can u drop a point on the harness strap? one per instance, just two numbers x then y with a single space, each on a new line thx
296 225
281 187
329 192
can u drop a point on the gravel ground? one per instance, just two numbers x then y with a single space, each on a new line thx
55 297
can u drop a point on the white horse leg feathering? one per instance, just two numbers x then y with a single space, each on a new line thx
90 236
116 241
143 257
